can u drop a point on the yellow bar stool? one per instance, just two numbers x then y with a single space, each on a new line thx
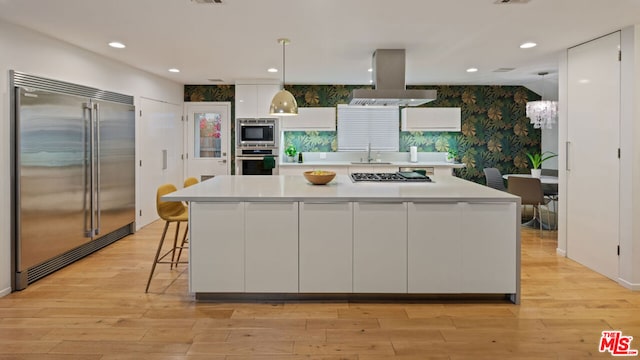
170 212
187 182
190 181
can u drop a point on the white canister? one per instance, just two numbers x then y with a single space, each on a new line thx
413 153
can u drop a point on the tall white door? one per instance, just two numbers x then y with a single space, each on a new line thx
208 134
593 168
160 148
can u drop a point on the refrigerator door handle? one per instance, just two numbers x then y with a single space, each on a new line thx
88 173
97 166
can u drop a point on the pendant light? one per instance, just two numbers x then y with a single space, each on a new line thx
283 103
542 113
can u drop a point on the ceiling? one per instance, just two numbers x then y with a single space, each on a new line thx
331 40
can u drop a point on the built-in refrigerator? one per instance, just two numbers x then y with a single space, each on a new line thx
73 173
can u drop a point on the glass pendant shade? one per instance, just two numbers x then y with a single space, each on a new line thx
543 113
283 104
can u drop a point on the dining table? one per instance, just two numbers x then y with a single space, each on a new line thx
544 180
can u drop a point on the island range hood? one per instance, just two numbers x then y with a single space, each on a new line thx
389 83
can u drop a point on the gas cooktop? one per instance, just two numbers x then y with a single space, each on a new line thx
401 176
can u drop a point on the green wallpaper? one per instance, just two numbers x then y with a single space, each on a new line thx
495 131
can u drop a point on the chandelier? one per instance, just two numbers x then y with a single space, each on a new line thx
542 113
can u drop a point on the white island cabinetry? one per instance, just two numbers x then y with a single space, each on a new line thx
443 256
271 247
380 247
326 247
219 262
283 237
489 265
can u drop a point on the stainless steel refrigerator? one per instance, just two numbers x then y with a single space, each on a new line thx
73 173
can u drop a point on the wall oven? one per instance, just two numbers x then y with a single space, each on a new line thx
251 161
256 132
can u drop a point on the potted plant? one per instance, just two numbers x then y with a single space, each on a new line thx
291 152
537 159
451 155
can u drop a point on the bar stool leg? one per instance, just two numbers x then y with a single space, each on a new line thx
155 261
184 240
175 243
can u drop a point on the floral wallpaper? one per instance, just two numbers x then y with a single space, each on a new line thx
495 131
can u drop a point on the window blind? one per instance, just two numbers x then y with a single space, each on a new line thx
359 126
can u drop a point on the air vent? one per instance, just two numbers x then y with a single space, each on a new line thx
207 1
216 80
504 2
504 69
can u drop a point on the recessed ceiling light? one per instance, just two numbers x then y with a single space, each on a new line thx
370 81
370 70
117 45
472 69
272 70
174 70
528 45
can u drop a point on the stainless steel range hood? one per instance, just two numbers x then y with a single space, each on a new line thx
389 83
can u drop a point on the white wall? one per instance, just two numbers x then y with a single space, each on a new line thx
34 53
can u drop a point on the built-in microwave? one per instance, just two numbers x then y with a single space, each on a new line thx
256 132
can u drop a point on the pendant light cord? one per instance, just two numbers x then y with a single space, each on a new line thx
284 43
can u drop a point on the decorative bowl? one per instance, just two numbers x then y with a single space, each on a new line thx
319 177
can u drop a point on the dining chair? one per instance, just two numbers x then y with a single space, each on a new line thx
529 189
170 212
494 179
551 193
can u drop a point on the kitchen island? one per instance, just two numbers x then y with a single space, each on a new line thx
280 237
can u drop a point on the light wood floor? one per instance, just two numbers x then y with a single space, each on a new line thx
97 309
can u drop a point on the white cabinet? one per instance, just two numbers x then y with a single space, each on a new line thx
253 101
489 264
326 247
462 248
216 254
310 118
430 119
434 248
271 247
379 247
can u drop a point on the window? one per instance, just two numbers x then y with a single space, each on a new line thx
359 126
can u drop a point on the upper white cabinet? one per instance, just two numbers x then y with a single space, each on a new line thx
254 100
310 118
431 119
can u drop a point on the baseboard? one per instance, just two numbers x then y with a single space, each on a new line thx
628 285
5 292
561 252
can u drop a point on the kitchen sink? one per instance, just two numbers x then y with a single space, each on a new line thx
370 163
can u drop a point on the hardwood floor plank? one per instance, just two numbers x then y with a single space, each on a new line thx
346 348
119 347
234 348
263 335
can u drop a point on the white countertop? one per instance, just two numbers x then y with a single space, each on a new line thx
231 188
392 163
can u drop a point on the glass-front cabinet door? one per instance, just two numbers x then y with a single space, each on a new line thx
208 139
